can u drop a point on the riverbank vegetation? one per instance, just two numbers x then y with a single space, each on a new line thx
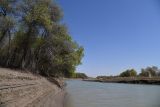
145 72
80 76
129 73
149 75
33 38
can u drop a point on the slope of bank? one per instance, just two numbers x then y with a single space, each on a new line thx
19 89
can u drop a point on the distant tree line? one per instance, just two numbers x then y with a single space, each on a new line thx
145 72
33 38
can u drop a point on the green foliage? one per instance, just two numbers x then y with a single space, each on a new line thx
6 25
39 43
80 75
149 72
129 73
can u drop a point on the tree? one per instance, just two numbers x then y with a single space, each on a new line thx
129 73
80 75
149 71
6 21
6 27
40 42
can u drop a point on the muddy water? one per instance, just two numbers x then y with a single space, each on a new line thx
93 94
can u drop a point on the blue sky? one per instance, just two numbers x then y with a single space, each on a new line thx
116 34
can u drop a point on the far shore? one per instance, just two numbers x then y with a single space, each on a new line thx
130 80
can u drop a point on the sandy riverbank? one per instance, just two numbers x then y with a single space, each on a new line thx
18 89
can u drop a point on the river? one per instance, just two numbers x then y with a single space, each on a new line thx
94 94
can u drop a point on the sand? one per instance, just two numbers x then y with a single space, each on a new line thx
18 89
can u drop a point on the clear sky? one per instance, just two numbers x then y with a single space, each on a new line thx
116 34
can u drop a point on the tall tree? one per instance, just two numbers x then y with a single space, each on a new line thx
40 43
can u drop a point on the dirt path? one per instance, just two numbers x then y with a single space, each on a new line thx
26 90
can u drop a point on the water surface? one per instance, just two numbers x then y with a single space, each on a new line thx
94 94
